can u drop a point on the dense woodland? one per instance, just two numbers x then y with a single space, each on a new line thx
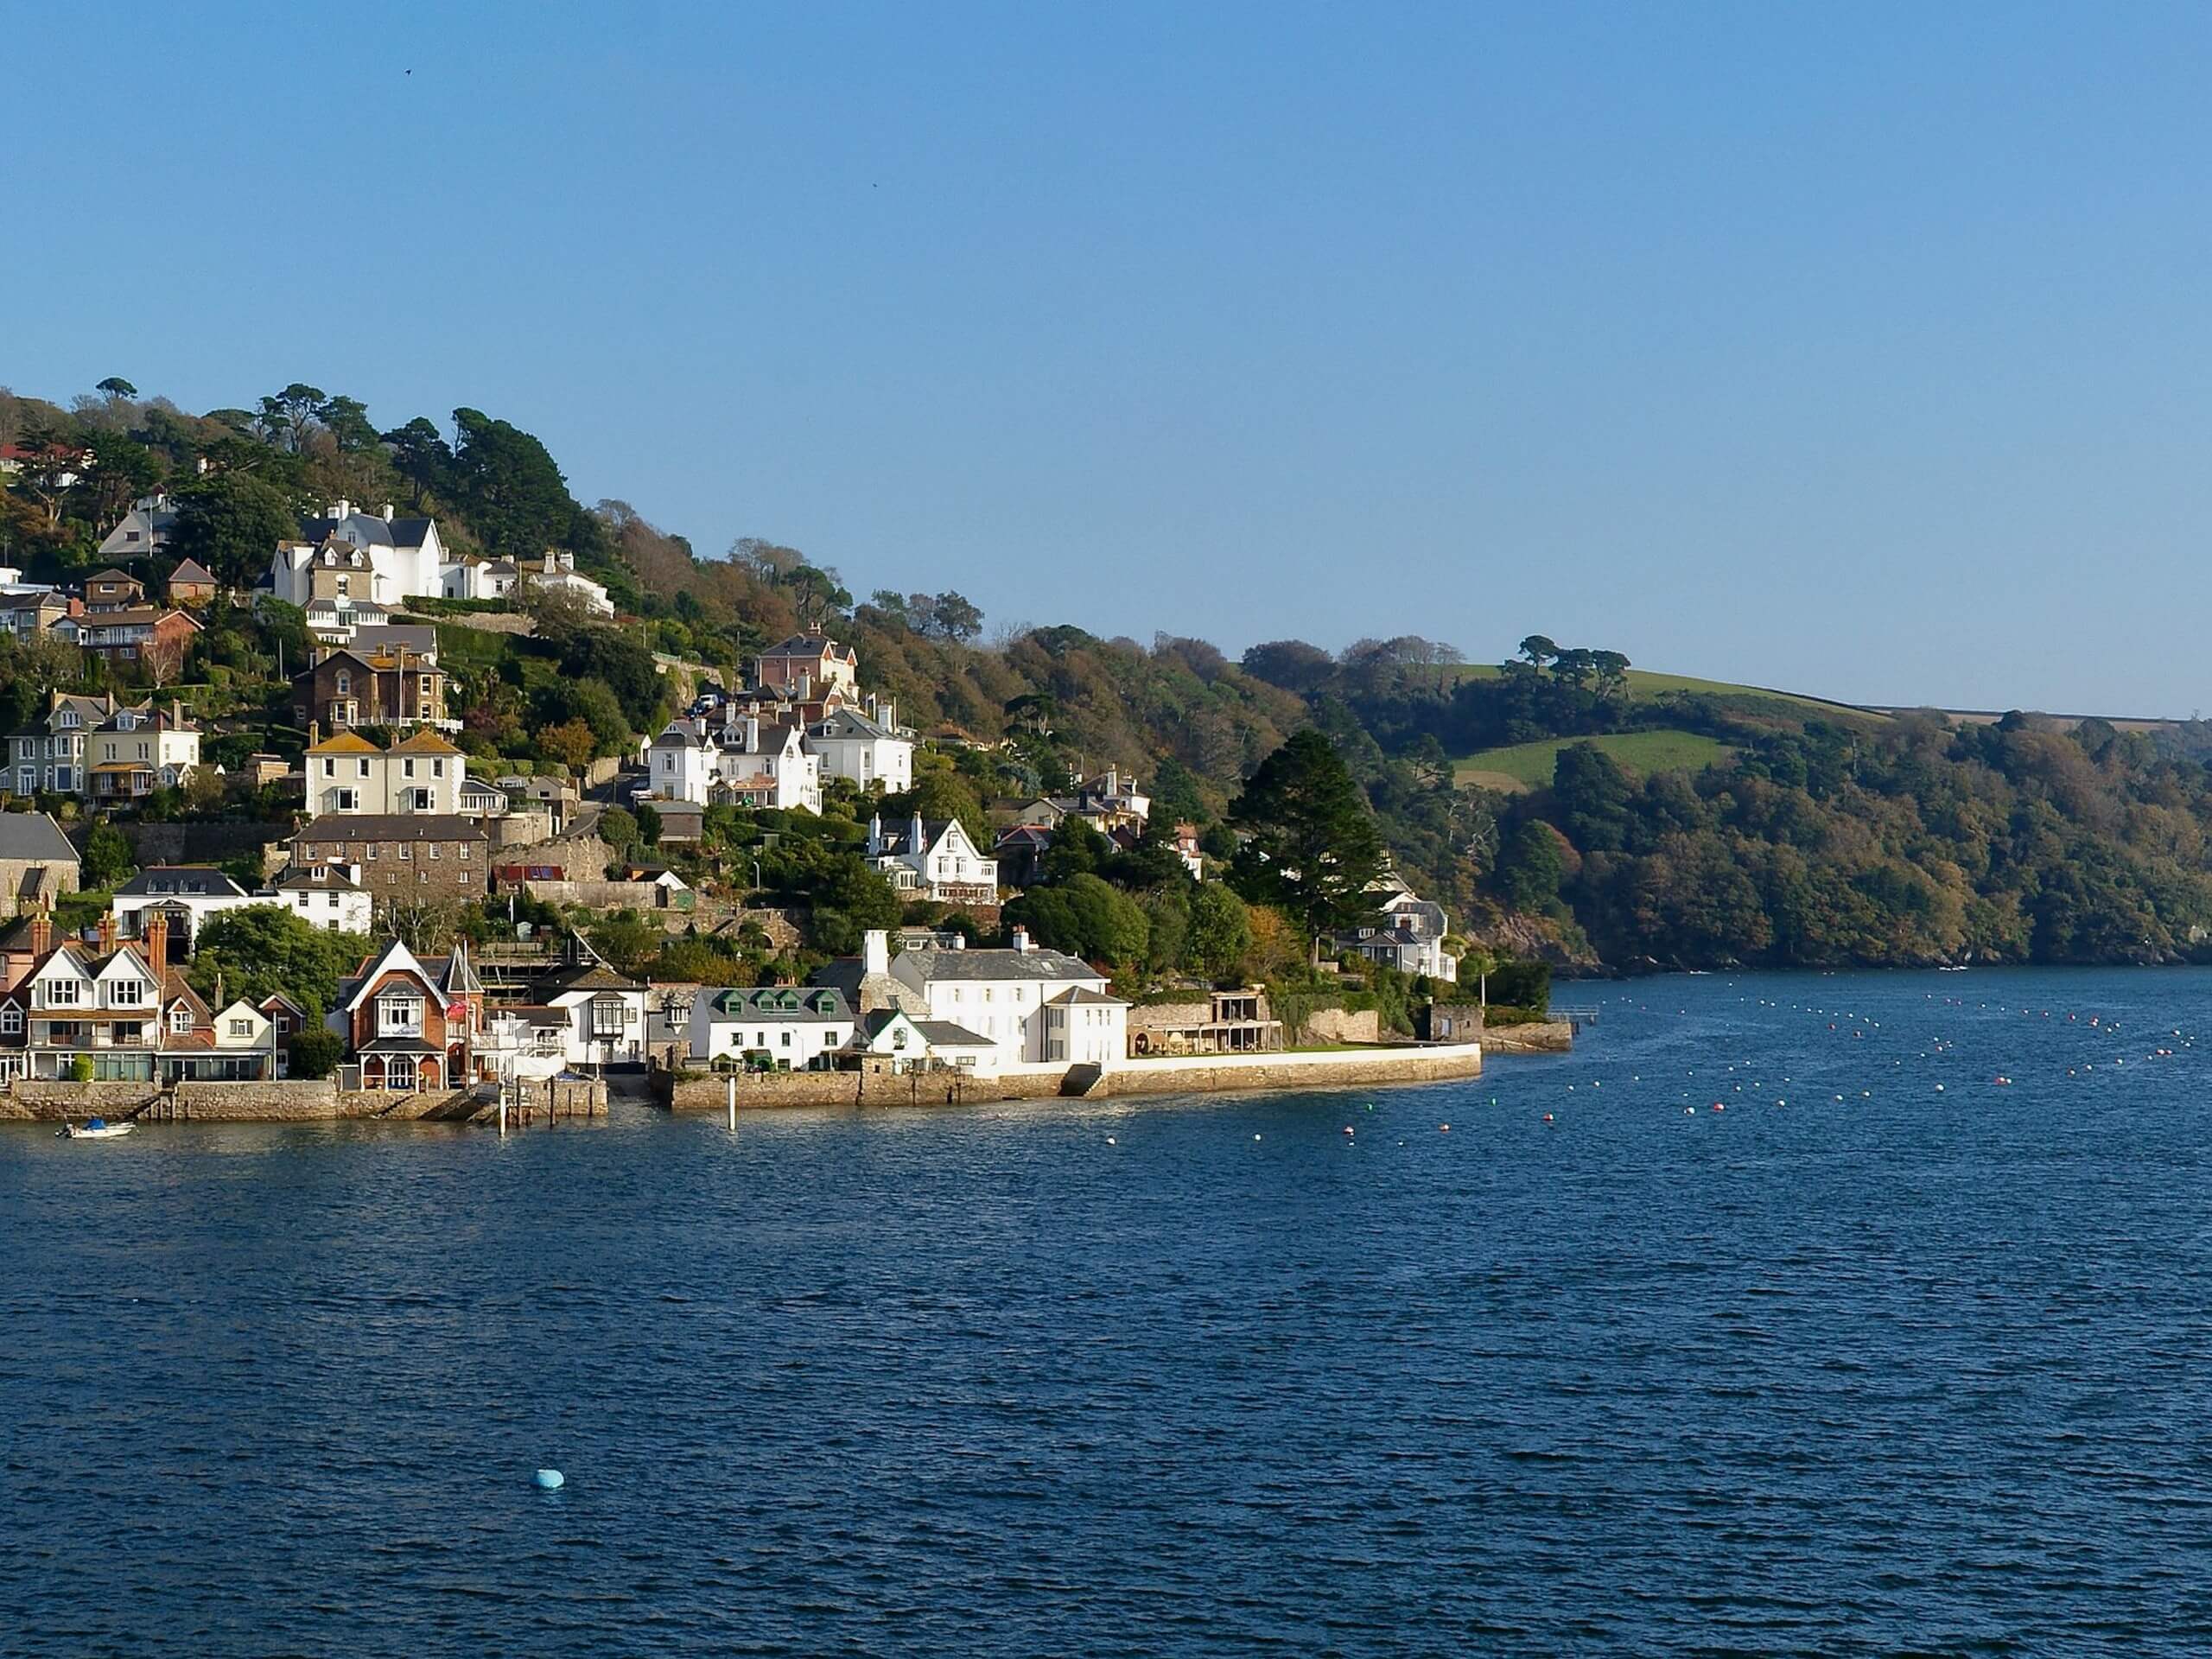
1825 837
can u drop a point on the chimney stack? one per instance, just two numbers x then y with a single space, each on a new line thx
42 933
107 933
876 951
1022 940
156 927
387 512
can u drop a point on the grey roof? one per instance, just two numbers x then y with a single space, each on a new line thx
1039 964
323 878
34 838
459 978
180 880
943 1033
771 1003
813 645
191 570
871 993
390 826
584 977
849 722
386 636
1083 994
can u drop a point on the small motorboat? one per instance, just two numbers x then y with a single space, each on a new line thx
94 1129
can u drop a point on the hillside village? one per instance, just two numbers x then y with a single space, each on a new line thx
308 813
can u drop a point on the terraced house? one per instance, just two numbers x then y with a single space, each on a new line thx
57 754
404 858
136 751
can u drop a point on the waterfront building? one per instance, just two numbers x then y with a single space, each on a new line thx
789 1027
121 1006
407 1027
186 895
1033 1006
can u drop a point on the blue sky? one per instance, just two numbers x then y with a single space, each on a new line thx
1863 350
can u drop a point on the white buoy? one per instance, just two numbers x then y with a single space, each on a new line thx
548 1480
1111 1142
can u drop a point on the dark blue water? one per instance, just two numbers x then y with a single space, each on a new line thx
1905 1371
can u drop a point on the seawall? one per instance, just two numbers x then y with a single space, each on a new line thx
287 1101
1166 1075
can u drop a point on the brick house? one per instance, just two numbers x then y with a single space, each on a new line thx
128 635
405 858
191 584
407 1027
114 590
398 686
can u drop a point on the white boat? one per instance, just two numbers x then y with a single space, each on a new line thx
97 1128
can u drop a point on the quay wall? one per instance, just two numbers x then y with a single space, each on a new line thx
1538 1036
287 1101
1166 1074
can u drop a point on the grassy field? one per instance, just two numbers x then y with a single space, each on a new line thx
1528 765
1643 685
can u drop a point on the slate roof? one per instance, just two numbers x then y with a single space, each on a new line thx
585 976
943 1033
325 878
1037 964
181 881
390 826
34 838
772 1003
849 722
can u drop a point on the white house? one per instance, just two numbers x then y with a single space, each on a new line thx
558 574
140 749
330 898
1408 933
188 894
398 558
744 762
475 578
912 1044
873 754
145 529
795 1028
1033 1006
603 1013
420 773
934 860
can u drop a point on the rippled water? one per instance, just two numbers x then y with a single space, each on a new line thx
1906 1372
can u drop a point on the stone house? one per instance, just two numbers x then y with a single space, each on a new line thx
113 590
1206 1022
191 584
36 861
404 858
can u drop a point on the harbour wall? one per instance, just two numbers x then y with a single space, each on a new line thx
1166 1075
287 1101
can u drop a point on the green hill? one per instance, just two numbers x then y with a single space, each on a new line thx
1528 765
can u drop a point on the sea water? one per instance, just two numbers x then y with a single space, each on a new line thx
1851 1364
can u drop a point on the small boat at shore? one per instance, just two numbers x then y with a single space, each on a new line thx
95 1128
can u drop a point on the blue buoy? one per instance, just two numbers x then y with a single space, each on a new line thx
549 1480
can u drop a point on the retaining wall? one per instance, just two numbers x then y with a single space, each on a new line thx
289 1100
1169 1075
1538 1036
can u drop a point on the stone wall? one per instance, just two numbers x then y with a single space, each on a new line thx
1341 1026
611 895
1538 1036
198 843
1207 1074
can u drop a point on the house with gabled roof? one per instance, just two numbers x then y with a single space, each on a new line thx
191 584
121 1006
410 1028
788 1027
422 772
933 860
185 894
809 665
148 528
37 862
1034 1006
359 556
604 1013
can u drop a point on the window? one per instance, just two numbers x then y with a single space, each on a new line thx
464 852
462 880
284 1023
406 767
12 1021
362 768
432 847
241 1027
181 1019
399 1013
127 993
438 768
345 684
407 852
64 993
329 768
606 1017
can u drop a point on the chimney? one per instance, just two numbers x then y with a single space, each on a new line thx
387 512
342 510
314 733
753 733
876 951
960 941
107 933
1022 940
42 933
156 927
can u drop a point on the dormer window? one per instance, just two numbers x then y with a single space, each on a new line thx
11 1021
181 1019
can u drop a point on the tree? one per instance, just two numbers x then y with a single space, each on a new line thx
420 456
287 417
618 828
954 618
648 824
1538 650
316 1050
106 862
1220 933
1291 664
502 480
572 743
162 659
850 899
232 523
1531 869
1085 917
116 387
260 949
1312 847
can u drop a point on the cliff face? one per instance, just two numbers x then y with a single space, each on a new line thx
1511 935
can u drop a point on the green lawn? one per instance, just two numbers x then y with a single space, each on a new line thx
1528 765
1642 683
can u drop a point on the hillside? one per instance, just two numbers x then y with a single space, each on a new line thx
1566 802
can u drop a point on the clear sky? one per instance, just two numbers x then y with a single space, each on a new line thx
1857 349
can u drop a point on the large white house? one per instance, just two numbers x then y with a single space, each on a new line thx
145 529
420 773
1407 934
330 897
601 1014
187 894
359 556
746 762
788 1027
933 860
872 753
1033 1006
